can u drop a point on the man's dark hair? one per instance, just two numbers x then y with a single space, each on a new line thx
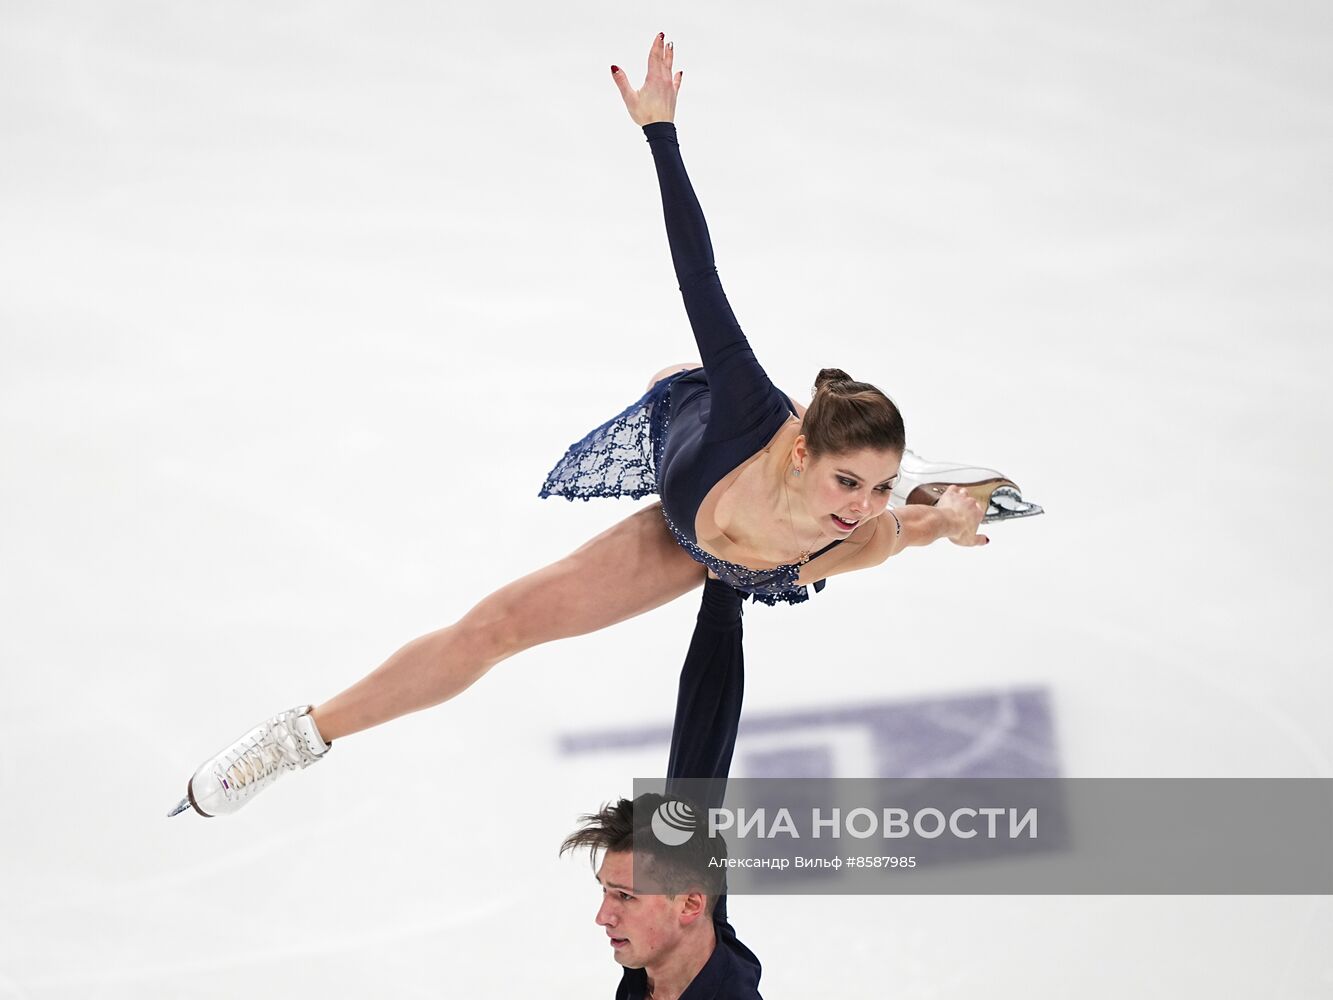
698 864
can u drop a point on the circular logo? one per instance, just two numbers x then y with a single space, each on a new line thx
673 823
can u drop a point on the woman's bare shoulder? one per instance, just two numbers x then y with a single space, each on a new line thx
858 551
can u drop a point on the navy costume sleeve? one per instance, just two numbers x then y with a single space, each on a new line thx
703 739
708 700
743 396
708 712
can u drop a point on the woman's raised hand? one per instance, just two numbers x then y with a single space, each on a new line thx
655 101
967 514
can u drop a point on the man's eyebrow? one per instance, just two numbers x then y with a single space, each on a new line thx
849 472
614 885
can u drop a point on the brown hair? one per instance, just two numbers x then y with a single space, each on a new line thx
846 415
627 826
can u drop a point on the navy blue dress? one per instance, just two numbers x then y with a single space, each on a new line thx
691 429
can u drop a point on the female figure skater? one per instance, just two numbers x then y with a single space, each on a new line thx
754 491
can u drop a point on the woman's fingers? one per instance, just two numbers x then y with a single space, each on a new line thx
622 81
668 56
626 91
656 99
655 57
660 57
971 512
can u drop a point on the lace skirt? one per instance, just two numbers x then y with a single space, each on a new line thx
619 458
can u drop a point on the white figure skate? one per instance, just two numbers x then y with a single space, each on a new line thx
920 481
228 780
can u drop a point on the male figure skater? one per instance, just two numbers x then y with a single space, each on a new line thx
681 946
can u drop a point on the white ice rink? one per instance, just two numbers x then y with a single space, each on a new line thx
300 301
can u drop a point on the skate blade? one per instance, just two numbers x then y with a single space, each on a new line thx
180 807
1006 504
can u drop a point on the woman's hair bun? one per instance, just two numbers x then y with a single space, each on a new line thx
845 416
830 376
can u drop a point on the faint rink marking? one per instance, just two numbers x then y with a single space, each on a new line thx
1008 733
810 752
1001 732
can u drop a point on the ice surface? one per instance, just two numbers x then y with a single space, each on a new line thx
299 298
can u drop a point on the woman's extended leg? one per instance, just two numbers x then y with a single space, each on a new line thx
632 567
684 366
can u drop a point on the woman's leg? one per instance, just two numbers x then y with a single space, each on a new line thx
630 568
684 366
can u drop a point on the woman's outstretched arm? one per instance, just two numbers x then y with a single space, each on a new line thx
735 375
955 516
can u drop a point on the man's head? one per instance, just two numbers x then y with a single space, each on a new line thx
655 897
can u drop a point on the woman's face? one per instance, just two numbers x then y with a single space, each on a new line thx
844 491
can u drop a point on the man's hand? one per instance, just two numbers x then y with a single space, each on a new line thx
655 101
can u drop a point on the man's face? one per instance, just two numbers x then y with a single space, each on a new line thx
643 928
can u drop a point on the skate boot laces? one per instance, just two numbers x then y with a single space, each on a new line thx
252 763
287 742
